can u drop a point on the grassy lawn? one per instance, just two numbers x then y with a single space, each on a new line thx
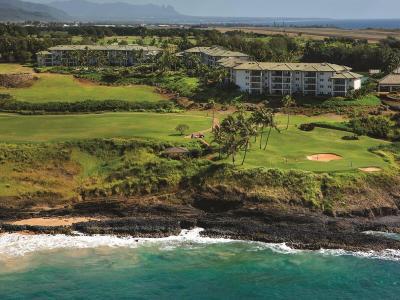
14 68
369 100
65 88
286 150
15 128
289 149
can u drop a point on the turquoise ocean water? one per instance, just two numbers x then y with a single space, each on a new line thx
44 267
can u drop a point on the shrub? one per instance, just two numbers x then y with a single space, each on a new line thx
350 137
307 127
378 127
85 106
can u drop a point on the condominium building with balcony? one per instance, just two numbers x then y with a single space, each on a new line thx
112 55
390 83
317 79
211 55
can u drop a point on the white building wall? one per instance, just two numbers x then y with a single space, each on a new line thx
324 83
355 84
297 82
242 80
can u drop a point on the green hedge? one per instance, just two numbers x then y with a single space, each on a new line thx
85 106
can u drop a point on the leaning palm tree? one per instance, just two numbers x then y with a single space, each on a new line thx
272 125
248 129
288 101
262 118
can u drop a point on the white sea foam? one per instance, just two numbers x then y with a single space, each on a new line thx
15 244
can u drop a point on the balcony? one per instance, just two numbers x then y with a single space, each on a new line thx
281 86
339 82
310 87
277 73
310 81
255 73
255 85
310 74
339 88
255 79
281 80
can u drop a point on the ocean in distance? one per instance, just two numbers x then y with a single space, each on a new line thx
187 267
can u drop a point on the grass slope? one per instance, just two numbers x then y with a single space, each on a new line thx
65 88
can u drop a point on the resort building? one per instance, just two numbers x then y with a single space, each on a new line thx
317 79
74 55
390 83
211 55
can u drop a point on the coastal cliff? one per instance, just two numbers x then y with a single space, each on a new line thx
133 190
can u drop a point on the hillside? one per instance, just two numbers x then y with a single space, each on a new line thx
19 11
117 11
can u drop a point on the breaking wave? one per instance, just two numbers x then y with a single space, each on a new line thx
14 244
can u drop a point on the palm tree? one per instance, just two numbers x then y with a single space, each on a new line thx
219 138
288 101
248 129
272 125
261 117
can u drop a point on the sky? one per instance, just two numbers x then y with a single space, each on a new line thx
339 9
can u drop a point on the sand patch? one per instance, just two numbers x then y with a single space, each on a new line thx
324 157
53 221
370 169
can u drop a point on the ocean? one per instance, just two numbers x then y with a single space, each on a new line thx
187 267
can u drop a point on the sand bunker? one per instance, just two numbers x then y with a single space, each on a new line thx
370 169
53 221
324 157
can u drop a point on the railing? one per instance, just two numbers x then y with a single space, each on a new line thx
339 82
339 88
255 79
281 86
310 81
310 87
310 74
281 80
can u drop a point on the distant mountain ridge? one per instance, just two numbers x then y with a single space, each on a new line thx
115 11
19 11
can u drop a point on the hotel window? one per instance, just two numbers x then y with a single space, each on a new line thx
321 73
321 86
322 80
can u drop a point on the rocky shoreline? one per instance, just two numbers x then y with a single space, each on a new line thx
298 227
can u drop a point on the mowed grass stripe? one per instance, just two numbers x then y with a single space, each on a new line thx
16 128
